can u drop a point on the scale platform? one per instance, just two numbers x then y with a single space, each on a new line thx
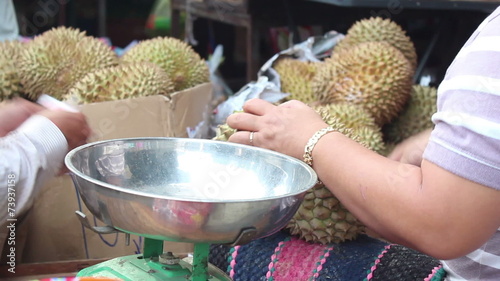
166 267
184 190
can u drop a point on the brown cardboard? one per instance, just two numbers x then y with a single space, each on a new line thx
153 116
55 233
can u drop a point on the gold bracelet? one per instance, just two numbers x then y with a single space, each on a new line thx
312 142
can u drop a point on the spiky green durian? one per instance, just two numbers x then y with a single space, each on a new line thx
70 34
372 137
121 82
321 218
223 132
10 82
374 75
53 61
351 115
184 66
355 117
415 117
296 77
376 29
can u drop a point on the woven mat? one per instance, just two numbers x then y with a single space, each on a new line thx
282 257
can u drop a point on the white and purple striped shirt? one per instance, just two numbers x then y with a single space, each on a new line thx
466 138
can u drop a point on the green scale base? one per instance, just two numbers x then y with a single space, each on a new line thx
135 267
154 265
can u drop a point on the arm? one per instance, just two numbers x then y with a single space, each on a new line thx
28 156
35 152
14 112
410 151
427 208
413 206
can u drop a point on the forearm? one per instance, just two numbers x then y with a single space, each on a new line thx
390 197
368 184
27 158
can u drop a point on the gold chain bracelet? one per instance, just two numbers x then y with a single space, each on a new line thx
312 142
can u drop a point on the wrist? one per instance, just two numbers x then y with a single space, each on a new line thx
47 138
313 141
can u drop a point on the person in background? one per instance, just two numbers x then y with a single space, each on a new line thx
33 139
33 143
438 192
9 28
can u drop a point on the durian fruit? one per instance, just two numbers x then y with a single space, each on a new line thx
373 74
53 61
355 117
68 33
223 132
321 217
10 82
372 137
184 66
377 29
296 77
121 82
415 117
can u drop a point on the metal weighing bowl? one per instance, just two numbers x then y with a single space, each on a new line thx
189 190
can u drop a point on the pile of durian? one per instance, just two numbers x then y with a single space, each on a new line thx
365 90
67 64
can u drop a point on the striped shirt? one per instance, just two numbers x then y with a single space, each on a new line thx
466 138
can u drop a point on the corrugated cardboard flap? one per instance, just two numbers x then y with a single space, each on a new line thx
138 117
188 107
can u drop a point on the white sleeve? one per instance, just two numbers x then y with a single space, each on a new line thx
28 157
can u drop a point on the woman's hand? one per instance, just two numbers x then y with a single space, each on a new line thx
285 128
410 151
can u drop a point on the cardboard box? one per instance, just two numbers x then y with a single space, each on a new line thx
153 116
55 233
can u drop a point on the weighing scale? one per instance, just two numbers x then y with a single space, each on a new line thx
184 190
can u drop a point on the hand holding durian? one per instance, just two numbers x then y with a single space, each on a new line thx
362 88
274 120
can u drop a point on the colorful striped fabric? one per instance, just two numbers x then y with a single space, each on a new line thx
282 257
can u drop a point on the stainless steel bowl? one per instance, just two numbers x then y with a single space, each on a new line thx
189 190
